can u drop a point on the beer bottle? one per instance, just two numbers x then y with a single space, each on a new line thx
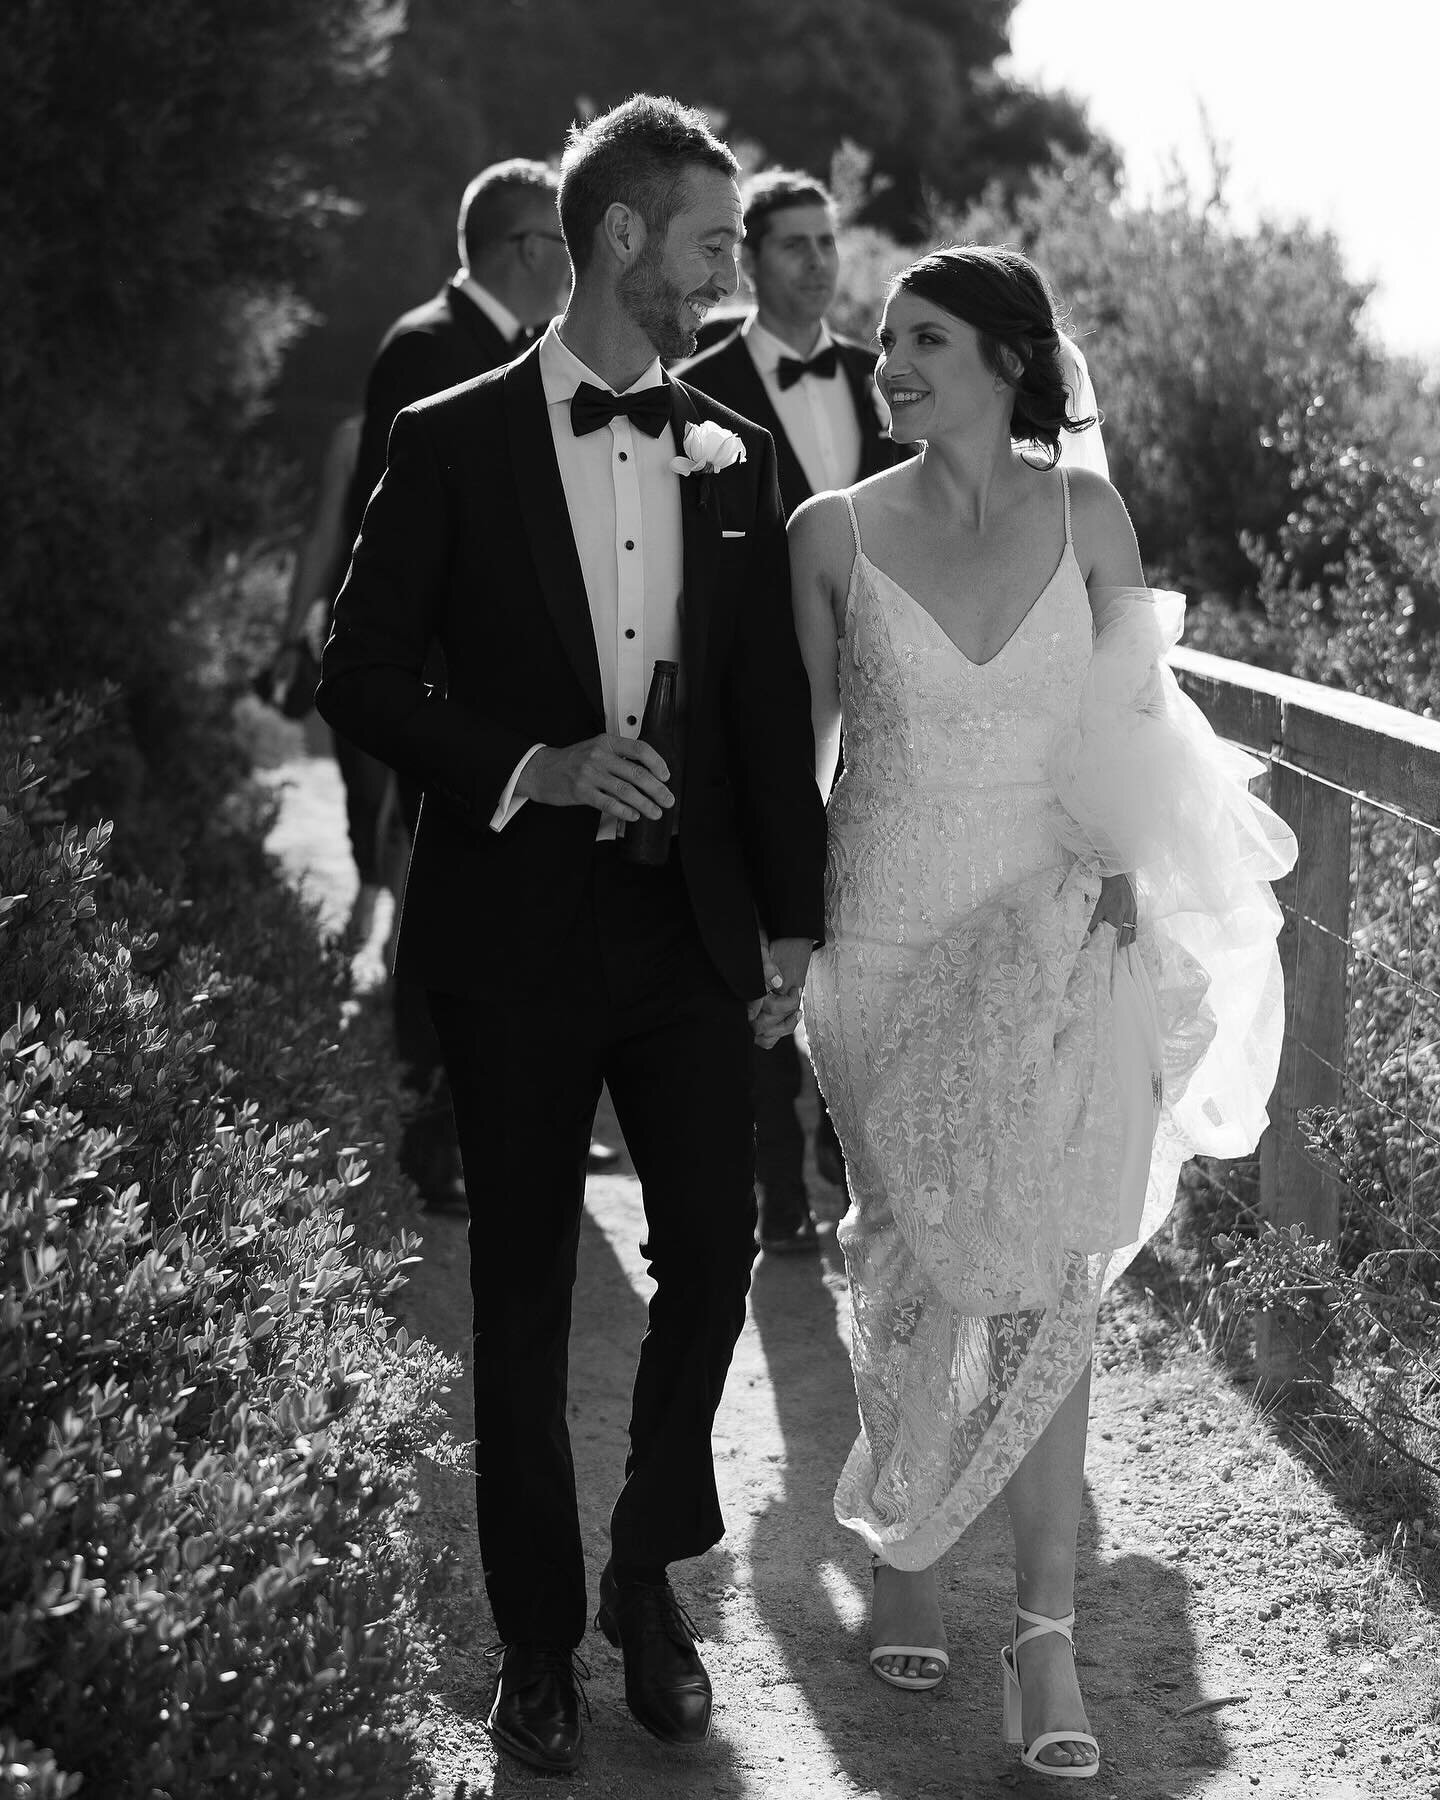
648 840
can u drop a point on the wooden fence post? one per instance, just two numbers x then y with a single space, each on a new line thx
1313 947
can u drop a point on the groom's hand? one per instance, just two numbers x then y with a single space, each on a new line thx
618 776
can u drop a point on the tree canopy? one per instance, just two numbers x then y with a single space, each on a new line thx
162 191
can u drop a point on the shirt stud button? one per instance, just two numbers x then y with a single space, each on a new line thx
629 718
624 456
629 543
629 632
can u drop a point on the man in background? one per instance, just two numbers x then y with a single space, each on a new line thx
513 278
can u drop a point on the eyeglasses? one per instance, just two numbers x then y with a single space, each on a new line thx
514 237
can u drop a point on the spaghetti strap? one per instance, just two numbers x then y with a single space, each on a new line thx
854 522
1065 489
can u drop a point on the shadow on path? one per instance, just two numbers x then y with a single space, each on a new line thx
1135 1648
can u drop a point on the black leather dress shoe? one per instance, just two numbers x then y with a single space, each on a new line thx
666 1686
536 1715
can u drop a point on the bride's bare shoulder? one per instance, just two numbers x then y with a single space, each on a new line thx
820 524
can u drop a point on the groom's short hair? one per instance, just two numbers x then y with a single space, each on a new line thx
639 154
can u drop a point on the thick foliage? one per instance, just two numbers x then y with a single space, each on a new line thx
206 1416
1351 587
159 201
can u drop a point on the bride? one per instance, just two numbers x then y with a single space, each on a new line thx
1050 971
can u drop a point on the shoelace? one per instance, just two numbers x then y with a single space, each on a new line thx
683 1618
568 1663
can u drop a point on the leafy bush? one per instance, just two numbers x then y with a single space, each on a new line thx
1369 1302
206 1416
160 202
1351 587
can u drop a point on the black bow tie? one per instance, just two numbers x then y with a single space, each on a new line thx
592 407
789 369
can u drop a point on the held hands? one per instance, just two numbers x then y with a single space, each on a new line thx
1116 906
776 1015
619 776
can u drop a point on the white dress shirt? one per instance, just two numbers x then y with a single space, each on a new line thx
818 416
624 504
496 311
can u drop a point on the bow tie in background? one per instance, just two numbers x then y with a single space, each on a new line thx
789 369
592 407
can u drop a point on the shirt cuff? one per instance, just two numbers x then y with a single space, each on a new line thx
509 805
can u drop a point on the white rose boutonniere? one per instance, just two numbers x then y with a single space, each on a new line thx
709 448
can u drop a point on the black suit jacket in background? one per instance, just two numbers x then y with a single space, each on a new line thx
428 349
466 545
728 374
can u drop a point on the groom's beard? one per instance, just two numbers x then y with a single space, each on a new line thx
656 305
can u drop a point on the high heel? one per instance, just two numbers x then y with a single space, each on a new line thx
915 1683
1010 1702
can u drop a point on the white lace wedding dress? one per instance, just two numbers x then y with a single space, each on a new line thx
964 1028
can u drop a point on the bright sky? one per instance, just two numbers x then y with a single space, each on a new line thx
1327 110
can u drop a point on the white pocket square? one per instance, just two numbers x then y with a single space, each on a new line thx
732 534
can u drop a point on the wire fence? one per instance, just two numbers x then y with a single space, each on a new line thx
1359 783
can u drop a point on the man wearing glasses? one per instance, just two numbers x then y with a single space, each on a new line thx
513 278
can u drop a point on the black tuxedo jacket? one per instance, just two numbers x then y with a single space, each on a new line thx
728 374
432 347
466 544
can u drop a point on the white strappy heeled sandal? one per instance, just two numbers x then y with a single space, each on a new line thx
1010 1702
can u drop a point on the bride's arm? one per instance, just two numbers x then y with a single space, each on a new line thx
1105 545
1109 557
821 551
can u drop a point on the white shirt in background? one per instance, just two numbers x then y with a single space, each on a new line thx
818 416
496 311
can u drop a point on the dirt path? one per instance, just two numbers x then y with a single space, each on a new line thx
1239 1633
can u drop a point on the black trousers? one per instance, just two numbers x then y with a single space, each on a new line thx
633 1001
428 1149
365 781
779 1136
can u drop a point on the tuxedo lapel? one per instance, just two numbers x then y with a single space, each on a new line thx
752 401
546 519
701 531
876 451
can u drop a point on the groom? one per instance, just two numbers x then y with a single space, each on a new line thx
556 527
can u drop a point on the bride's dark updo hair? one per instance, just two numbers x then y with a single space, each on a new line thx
1006 299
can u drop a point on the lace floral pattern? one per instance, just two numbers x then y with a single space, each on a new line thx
963 1035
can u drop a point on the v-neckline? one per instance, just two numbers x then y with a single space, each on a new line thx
926 613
